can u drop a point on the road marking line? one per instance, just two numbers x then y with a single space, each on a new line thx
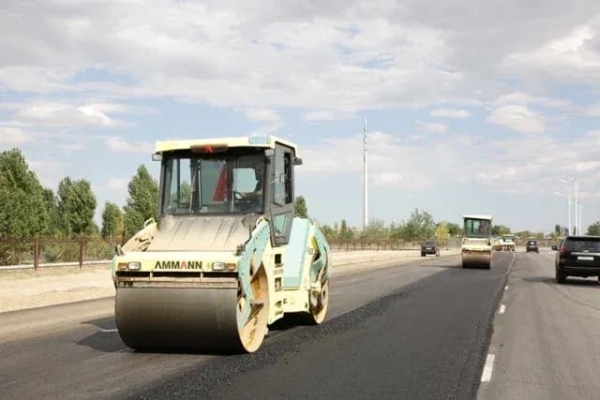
487 369
109 330
502 308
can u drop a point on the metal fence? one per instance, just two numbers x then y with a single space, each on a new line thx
387 244
42 251
88 251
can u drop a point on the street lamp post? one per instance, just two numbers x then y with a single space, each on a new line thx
581 229
573 181
577 226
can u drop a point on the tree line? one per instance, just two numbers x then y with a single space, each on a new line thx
27 209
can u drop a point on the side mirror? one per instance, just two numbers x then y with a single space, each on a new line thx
297 161
157 157
554 247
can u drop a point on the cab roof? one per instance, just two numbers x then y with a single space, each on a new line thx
472 216
264 141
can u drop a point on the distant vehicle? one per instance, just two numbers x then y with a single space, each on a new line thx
577 256
508 242
532 245
430 247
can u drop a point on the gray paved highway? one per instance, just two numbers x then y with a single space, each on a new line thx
73 351
426 340
546 342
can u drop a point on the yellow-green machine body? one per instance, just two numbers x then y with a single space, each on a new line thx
477 248
221 264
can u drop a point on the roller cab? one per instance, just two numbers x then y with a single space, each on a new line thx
227 256
477 249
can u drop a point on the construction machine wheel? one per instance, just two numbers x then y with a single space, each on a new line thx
319 301
207 319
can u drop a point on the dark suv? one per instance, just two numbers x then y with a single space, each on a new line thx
532 245
430 247
577 256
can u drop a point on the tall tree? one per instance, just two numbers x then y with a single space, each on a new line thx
77 206
113 223
594 229
454 229
442 232
499 230
54 224
300 208
329 232
558 231
420 225
375 230
142 202
22 207
345 232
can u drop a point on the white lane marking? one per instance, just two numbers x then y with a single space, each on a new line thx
502 308
506 287
487 369
109 330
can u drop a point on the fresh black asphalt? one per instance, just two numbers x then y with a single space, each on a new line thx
427 340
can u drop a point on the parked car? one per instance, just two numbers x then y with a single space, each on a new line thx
577 256
532 245
430 247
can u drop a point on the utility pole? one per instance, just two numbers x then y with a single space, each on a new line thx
365 186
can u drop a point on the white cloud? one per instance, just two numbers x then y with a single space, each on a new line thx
120 145
12 136
272 117
71 146
571 56
449 113
48 170
79 67
433 127
63 114
262 114
326 116
336 56
583 166
521 98
522 164
593 110
414 181
117 183
595 134
518 118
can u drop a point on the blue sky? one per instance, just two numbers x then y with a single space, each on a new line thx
468 112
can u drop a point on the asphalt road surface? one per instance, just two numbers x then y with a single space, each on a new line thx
418 330
546 342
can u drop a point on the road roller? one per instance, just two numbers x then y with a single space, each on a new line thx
477 250
226 256
508 242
